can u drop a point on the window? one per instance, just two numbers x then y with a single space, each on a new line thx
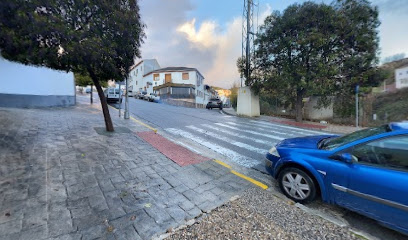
389 152
333 143
185 76
156 77
136 82
167 77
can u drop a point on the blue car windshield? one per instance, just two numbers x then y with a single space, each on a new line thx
332 143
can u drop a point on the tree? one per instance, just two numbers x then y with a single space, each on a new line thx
296 51
316 49
95 38
357 29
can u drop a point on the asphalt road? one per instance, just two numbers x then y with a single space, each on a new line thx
242 141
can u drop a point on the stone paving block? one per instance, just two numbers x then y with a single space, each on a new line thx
34 217
59 223
79 212
11 214
123 221
177 213
158 214
181 188
128 233
193 213
136 205
186 204
94 232
85 222
210 205
145 226
217 191
173 181
70 236
117 179
98 202
112 213
39 232
89 181
106 185
77 203
11 227
204 187
194 197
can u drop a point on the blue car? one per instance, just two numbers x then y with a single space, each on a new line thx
365 171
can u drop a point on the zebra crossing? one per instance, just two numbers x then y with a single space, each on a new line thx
243 142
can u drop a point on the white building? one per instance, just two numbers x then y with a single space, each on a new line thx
184 84
401 77
137 83
29 86
173 84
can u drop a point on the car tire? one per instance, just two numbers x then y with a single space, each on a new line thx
297 185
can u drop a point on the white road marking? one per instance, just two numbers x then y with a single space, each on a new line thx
252 132
234 156
228 140
282 126
260 128
267 127
239 135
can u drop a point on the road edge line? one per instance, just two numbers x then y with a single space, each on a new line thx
249 179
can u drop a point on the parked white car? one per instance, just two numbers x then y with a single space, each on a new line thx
113 95
152 97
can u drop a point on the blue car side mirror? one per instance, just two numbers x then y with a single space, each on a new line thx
346 157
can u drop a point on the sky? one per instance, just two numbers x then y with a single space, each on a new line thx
206 34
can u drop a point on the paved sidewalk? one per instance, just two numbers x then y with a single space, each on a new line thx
342 129
60 179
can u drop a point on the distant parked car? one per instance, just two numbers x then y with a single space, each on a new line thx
113 95
141 95
130 93
365 171
88 90
152 97
214 103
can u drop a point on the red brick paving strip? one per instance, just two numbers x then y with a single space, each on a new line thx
178 154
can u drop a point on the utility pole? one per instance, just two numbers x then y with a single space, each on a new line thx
248 46
91 93
126 116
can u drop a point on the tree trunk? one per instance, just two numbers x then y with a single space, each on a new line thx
299 105
104 104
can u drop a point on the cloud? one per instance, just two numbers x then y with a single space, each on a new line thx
392 31
176 40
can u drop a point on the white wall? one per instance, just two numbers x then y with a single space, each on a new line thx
401 77
17 78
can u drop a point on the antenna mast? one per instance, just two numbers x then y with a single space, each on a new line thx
248 35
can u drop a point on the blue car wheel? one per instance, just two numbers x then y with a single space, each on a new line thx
297 185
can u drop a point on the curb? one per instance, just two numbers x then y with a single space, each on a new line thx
229 113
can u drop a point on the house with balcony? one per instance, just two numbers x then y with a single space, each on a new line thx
180 84
137 82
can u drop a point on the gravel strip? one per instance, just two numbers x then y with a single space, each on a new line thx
258 214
